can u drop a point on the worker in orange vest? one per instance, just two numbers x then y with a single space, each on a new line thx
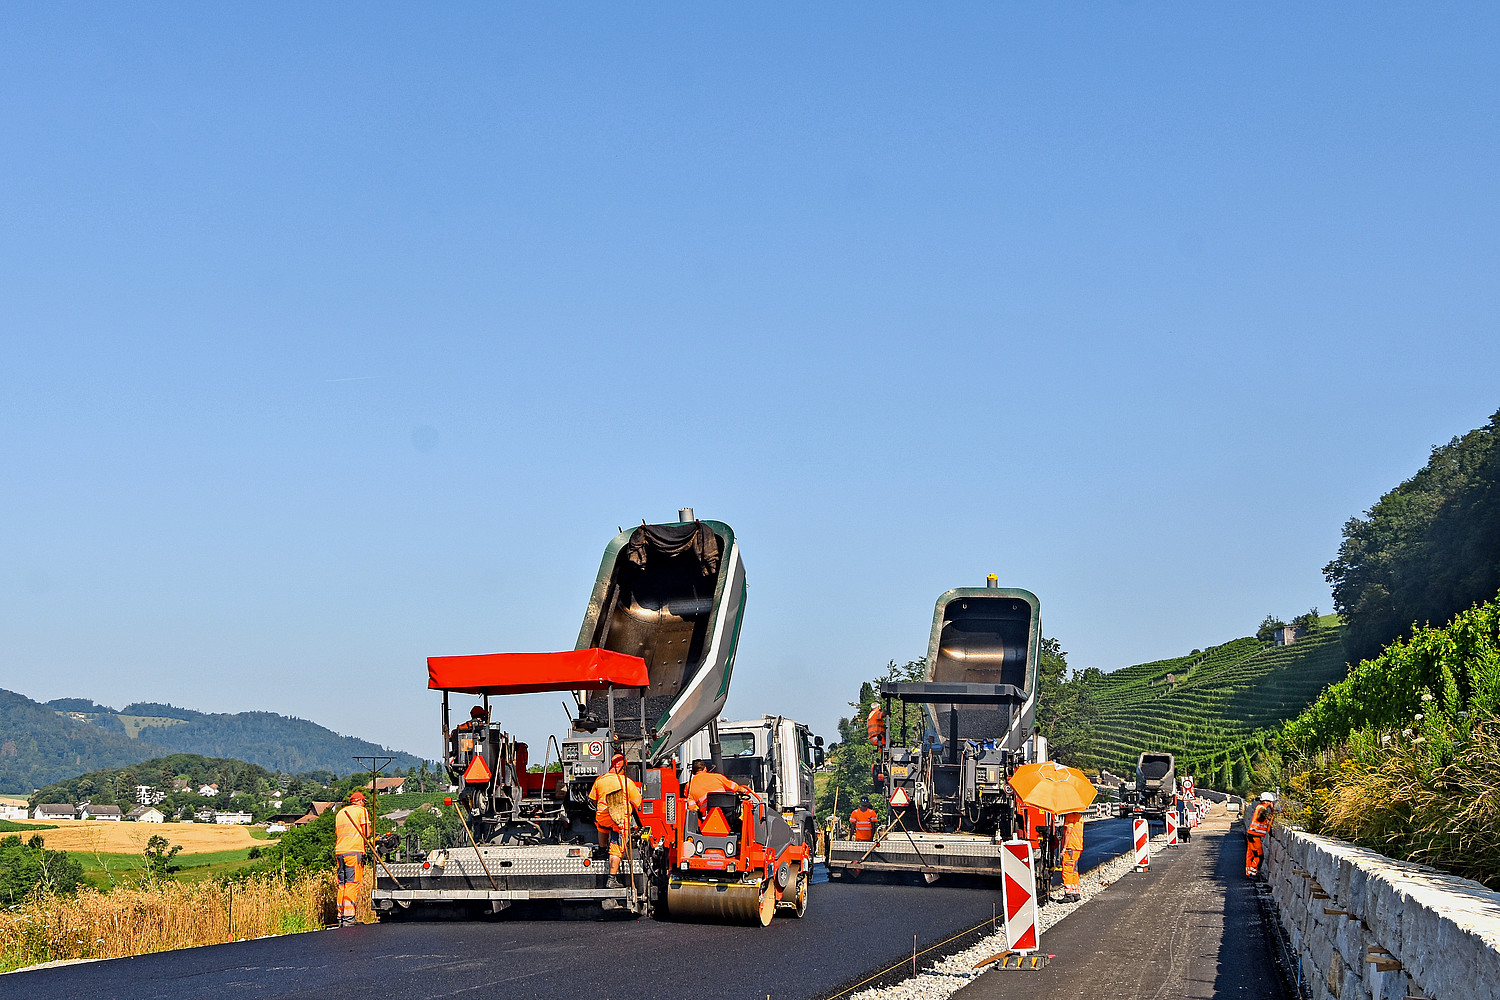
1255 833
706 781
875 727
615 798
1072 850
864 819
351 835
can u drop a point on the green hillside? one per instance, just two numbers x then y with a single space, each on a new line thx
1212 708
41 744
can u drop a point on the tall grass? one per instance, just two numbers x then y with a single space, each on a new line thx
126 921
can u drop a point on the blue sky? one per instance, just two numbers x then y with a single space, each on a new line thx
331 339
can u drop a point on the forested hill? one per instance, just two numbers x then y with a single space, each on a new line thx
41 744
38 746
275 742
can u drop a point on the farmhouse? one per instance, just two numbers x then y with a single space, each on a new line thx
55 810
145 814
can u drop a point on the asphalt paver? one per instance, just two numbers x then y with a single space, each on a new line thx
852 929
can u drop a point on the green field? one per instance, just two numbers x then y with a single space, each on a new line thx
1213 708
103 870
135 723
6 826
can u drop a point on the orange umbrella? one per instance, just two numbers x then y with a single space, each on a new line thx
1053 787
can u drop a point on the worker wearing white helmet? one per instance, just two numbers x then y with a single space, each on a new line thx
1256 830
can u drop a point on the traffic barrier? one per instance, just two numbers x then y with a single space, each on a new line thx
1172 827
1142 845
1018 896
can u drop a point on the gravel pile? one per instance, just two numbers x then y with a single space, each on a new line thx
951 974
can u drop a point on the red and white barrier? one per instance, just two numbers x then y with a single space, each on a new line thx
1172 826
1142 845
1018 896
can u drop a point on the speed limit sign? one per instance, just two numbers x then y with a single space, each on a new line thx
596 749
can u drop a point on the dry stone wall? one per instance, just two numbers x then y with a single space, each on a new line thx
1365 927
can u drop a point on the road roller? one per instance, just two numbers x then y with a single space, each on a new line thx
738 861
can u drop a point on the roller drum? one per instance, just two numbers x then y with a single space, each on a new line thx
723 902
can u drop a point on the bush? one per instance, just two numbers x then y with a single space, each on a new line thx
29 867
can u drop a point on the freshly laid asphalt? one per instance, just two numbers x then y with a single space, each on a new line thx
1190 928
852 929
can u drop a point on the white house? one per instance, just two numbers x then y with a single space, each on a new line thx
232 818
109 814
389 786
208 791
276 828
8 811
55 810
146 814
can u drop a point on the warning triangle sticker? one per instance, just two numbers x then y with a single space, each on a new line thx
477 773
715 825
900 799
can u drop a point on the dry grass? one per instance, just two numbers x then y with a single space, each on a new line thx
94 836
128 922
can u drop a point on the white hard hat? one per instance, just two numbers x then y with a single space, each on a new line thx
1268 796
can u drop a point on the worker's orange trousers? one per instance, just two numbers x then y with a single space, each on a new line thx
1255 852
351 875
1070 870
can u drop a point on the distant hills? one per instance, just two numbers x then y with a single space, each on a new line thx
42 744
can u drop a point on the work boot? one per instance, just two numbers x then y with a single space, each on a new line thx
613 882
1072 897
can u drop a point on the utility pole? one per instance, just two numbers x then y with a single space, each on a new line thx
377 764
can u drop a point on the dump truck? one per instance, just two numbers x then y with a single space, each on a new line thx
950 806
650 670
1155 785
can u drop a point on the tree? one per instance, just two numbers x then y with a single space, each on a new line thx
158 855
29 866
1427 549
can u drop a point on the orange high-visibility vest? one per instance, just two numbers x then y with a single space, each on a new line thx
599 794
351 827
1260 821
706 783
864 823
1073 832
875 726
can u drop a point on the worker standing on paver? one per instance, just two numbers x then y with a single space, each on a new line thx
864 819
706 781
1072 850
875 727
615 798
351 834
1256 830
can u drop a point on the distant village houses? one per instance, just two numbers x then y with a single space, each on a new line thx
389 786
146 814
10 811
232 818
208 791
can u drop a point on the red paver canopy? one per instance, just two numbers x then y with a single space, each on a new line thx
520 673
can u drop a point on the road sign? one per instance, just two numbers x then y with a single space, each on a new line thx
1172 825
1018 894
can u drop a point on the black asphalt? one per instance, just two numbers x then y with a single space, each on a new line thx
1189 928
852 929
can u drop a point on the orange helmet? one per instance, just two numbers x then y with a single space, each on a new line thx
357 797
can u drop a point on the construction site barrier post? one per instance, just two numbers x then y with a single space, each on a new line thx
1142 845
1018 894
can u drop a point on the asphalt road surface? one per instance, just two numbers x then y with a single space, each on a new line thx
851 930
1189 928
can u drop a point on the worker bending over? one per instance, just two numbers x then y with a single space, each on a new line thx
1255 832
1072 850
864 819
615 798
705 782
351 833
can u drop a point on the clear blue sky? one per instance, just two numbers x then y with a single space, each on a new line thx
335 338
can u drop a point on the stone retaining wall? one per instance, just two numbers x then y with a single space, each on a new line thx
1365 927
